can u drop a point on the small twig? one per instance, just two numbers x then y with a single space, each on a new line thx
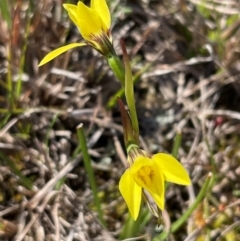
50 184
193 235
21 235
228 113
56 218
137 238
41 208
9 210
105 122
220 9
27 114
119 149
229 228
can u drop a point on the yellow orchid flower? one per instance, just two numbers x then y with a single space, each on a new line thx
93 24
149 173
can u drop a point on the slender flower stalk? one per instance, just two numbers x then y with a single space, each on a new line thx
117 67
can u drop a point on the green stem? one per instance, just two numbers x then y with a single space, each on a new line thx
6 13
117 67
129 93
91 178
9 80
176 225
14 111
23 56
112 102
212 160
177 144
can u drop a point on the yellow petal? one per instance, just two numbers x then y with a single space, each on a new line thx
101 7
146 174
159 198
59 51
131 192
172 169
90 22
72 12
157 190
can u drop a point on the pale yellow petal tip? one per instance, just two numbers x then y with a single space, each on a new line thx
67 6
133 214
44 61
40 64
187 182
134 218
184 177
183 180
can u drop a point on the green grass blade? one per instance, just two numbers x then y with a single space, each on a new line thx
88 166
18 88
5 12
177 144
